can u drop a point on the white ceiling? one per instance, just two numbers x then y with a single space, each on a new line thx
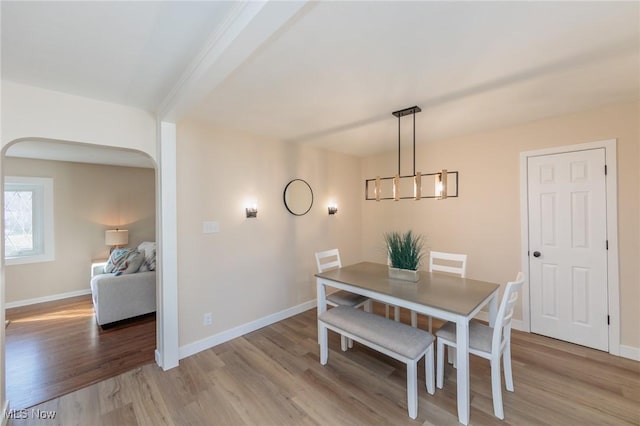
129 53
330 73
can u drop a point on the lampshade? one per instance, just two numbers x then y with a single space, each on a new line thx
116 237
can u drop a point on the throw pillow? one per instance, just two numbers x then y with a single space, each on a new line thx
133 262
117 257
124 261
149 263
146 247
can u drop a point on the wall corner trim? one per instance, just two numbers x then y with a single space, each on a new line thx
5 413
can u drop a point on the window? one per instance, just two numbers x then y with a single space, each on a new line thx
28 220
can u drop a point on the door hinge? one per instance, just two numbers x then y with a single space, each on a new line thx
607 244
605 169
608 320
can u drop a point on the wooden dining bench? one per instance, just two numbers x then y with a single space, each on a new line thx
394 339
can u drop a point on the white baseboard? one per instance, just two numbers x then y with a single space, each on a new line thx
5 413
630 352
225 336
157 357
51 298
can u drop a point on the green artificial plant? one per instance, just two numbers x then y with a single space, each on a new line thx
405 250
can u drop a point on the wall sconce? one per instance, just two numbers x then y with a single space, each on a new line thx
333 208
116 238
252 211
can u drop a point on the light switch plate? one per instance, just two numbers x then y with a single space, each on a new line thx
209 227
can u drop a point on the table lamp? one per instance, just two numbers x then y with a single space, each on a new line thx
116 238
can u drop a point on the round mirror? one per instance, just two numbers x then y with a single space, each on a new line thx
298 197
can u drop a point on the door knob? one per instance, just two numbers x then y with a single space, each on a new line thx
536 254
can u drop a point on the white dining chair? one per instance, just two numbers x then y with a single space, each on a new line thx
487 342
436 256
330 259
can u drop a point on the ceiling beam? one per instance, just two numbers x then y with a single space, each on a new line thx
247 27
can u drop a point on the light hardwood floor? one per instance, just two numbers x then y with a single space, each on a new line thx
273 377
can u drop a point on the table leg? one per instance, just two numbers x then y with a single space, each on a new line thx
493 309
462 359
321 300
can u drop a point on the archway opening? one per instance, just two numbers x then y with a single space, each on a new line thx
95 188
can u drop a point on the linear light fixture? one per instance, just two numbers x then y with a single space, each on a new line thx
446 182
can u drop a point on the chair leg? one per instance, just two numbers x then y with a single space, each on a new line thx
430 325
396 313
367 306
428 366
386 311
412 388
506 359
350 343
324 346
496 388
414 319
451 356
343 343
440 360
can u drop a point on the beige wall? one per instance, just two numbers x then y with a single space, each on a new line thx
32 112
255 267
484 221
88 199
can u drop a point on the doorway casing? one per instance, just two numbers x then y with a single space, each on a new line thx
613 284
167 353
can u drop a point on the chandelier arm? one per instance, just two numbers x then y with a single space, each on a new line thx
398 145
414 142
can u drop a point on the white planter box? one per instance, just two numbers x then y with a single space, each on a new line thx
404 274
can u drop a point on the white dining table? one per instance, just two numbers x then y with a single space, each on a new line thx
439 295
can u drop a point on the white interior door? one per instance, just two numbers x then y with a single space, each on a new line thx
568 247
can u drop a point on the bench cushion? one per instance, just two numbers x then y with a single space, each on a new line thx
346 298
394 336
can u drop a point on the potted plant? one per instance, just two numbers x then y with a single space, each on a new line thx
405 255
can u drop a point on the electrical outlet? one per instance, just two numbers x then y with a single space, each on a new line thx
207 319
